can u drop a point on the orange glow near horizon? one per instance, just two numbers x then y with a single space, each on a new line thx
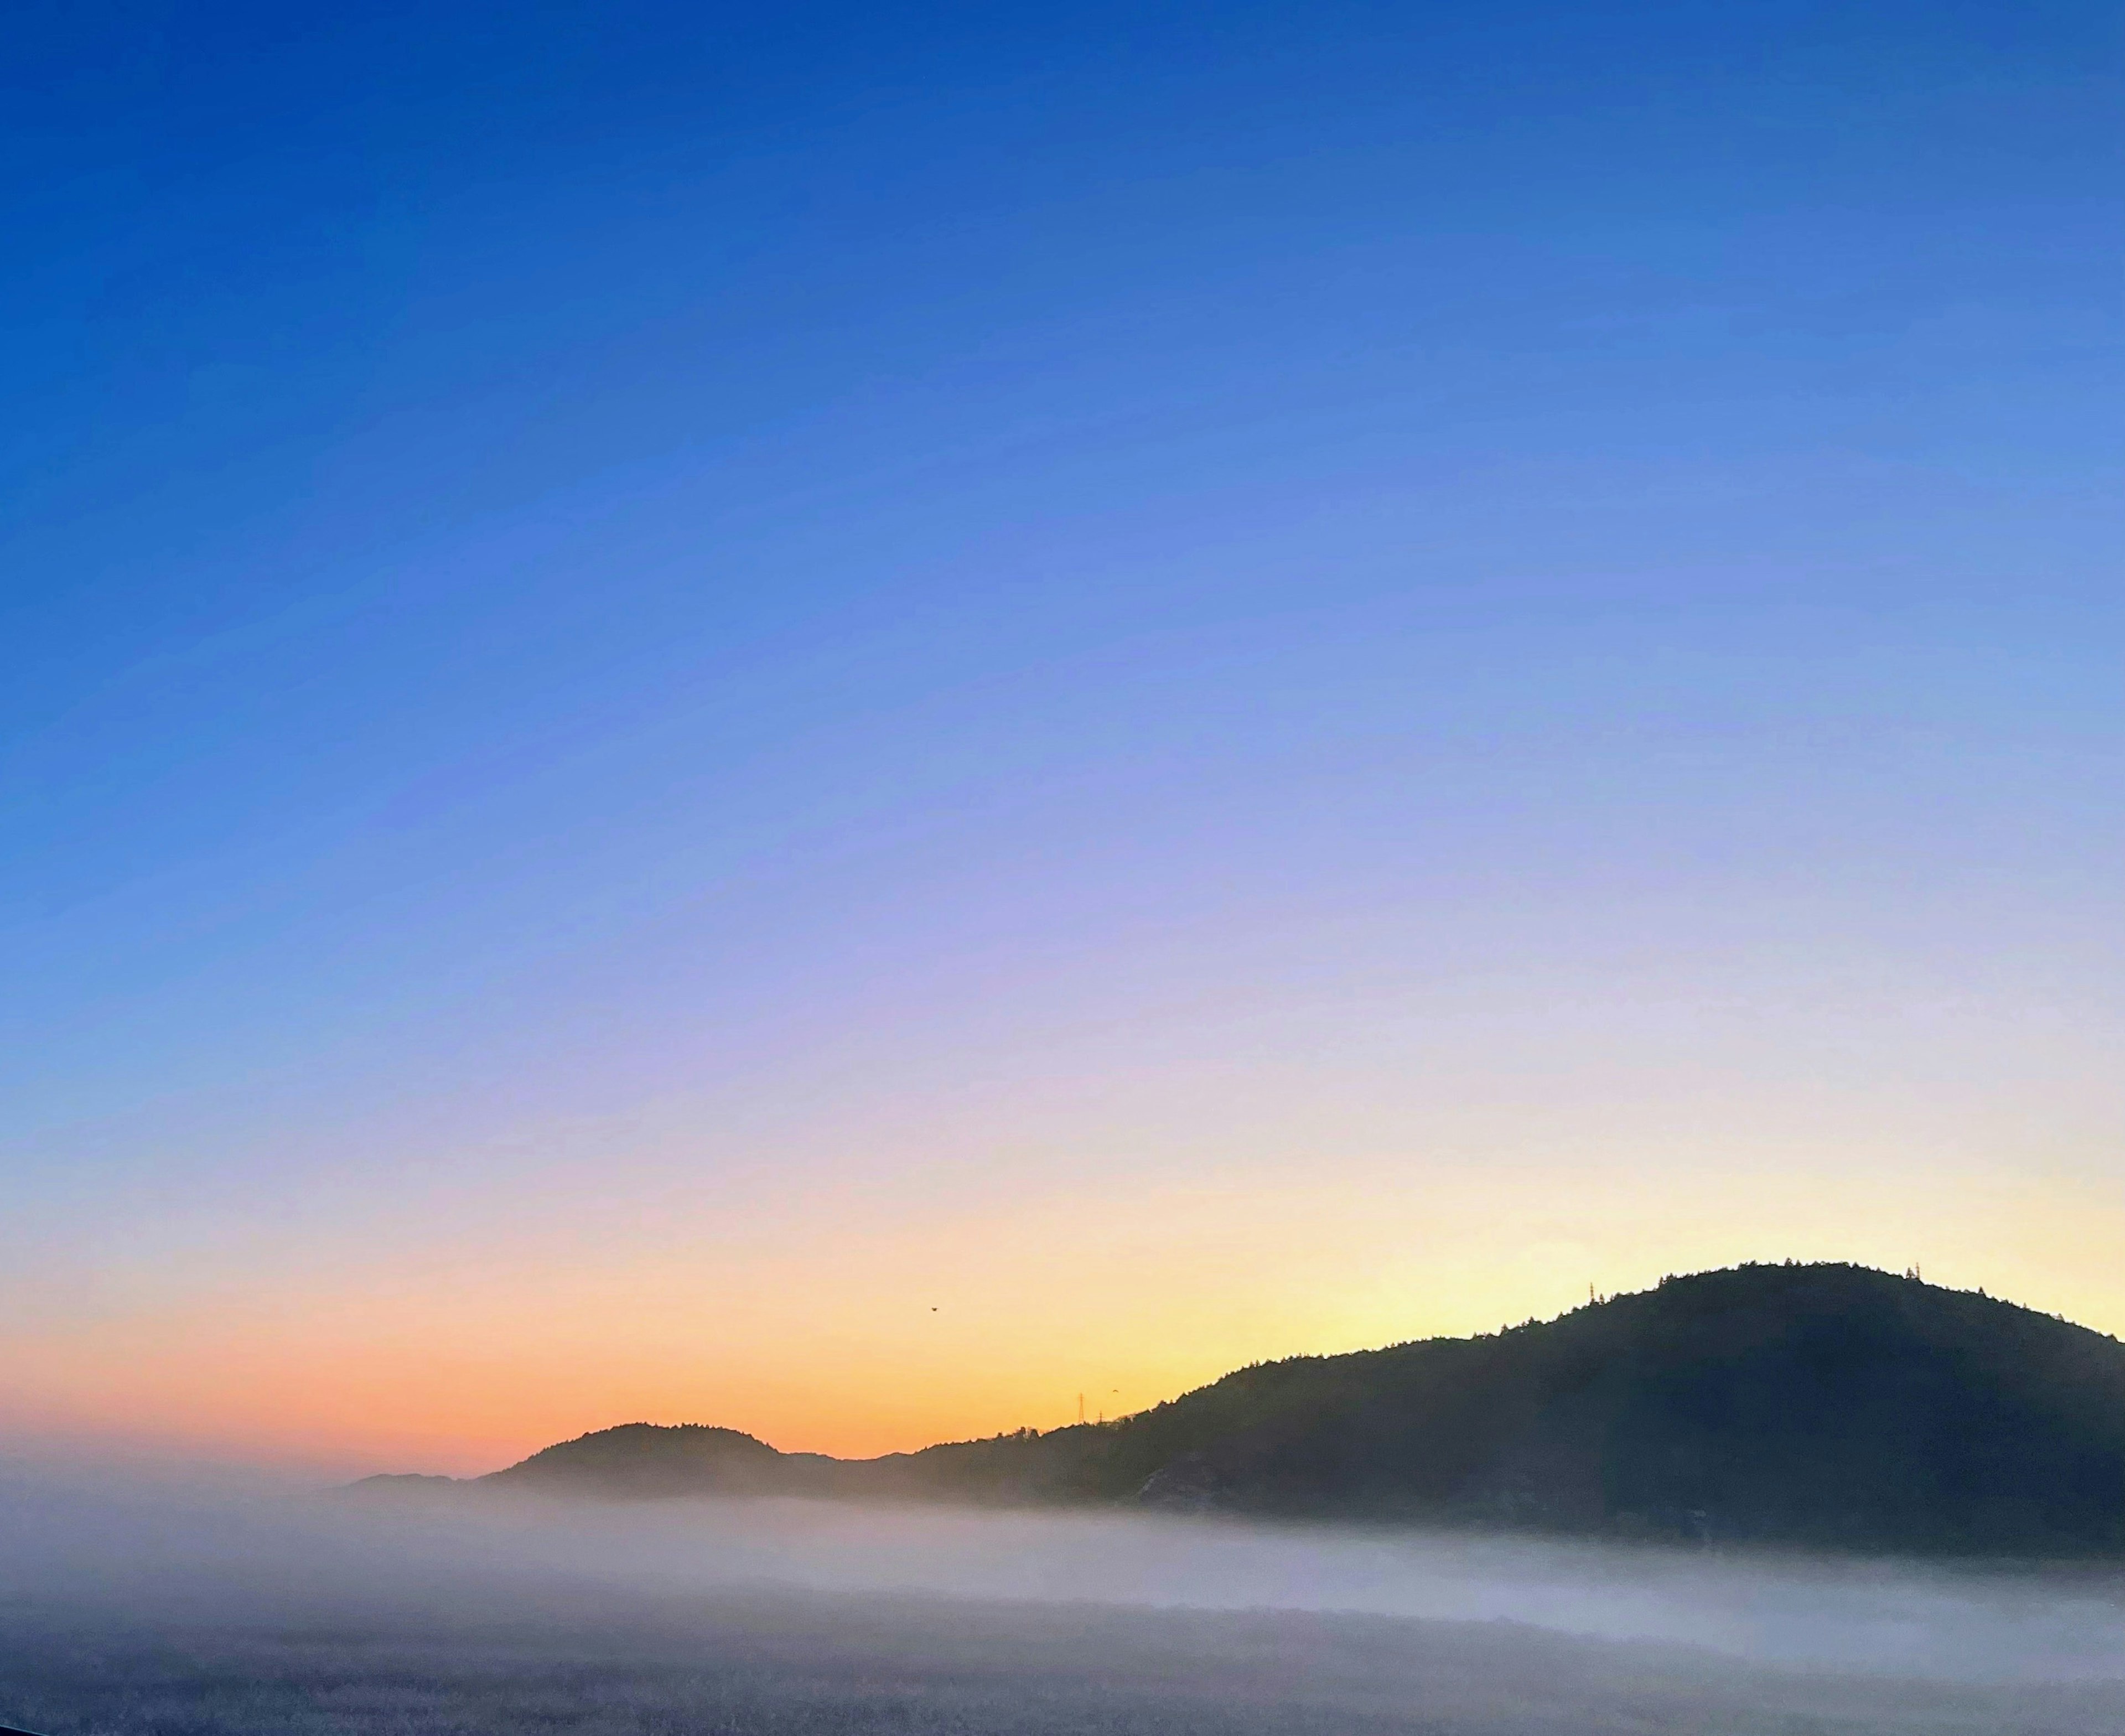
952 1329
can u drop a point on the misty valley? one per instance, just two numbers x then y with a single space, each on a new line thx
174 1613
782 1664
1340 1562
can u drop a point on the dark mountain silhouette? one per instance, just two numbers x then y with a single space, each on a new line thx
1820 1405
639 1459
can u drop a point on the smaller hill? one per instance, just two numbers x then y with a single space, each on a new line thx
641 1460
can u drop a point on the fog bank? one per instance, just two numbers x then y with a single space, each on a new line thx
259 1550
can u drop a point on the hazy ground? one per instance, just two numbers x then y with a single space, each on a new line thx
184 1613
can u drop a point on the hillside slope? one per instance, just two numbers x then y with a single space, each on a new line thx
1824 1405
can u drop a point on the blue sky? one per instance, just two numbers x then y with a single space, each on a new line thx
560 561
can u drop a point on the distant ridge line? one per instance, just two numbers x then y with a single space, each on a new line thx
1821 1405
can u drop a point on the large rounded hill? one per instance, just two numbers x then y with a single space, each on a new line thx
1820 1405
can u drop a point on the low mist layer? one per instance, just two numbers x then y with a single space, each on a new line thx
239 1602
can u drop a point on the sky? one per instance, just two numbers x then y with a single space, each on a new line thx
848 721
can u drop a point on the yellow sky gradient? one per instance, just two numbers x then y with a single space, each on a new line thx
855 1329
